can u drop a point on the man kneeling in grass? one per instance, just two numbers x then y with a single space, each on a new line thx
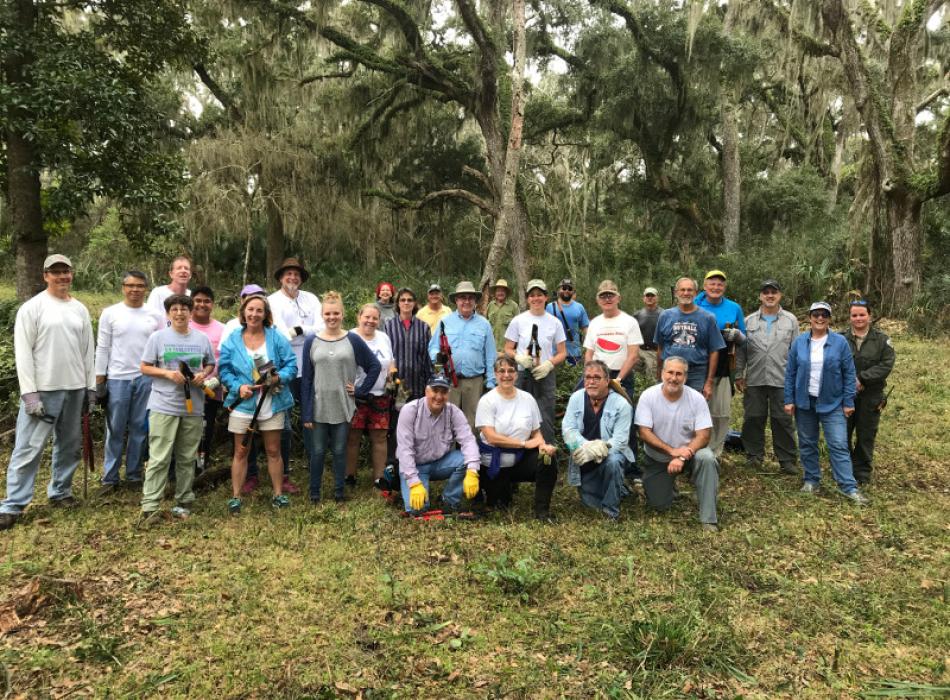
675 426
176 407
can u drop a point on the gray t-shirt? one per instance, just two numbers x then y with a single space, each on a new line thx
674 422
165 349
334 366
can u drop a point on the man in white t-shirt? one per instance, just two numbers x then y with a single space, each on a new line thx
675 426
179 275
124 328
297 313
55 356
537 342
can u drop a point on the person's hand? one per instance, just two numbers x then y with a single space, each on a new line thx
848 412
33 405
684 453
524 360
708 389
308 426
548 450
740 384
790 409
533 442
102 390
542 370
676 465
417 496
91 395
246 391
582 454
470 484
860 386
175 376
350 389
598 450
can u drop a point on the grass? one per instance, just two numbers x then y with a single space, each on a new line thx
795 597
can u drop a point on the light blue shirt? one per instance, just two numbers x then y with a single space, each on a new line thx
615 419
472 343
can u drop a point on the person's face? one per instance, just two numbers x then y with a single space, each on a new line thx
59 278
179 315
608 301
673 376
332 315
595 383
536 300
369 321
501 294
385 294
254 314
566 292
203 306
436 396
180 272
290 280
714 287
860 319
649 301
770 298
133 289
819 320
505 374
465 304
407 303
685 292
435 298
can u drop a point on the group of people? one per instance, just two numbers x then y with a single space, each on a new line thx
442 394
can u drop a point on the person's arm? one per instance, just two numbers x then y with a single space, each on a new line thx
511 347
490 353
588 355
572 422
286 360
306 385
433 346
464 437
880 370
741 360
659 361
405 441
710 374
620 434
848 376
366 359
791 372
89 351
317 309
103 346
633 357
560 355
156 372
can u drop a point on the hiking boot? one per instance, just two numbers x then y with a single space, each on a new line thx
149 519
789 468
710 527
809 488
544 517
8 520
234 506
753 462
350 480
181 513
281 501
106 490
857 498
341 499
249 485
67 502
132 485
288 486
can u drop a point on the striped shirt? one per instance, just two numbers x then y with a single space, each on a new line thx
410 352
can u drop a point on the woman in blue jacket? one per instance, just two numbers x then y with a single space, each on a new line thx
819 390
258 346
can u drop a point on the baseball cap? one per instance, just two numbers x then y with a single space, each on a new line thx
607 287
439 380
566 282
715 273
56 259
770 283
435 287
535 284
651 290
251 289
820 306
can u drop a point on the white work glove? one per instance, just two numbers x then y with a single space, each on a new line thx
732 335
582 454
542 370
524 360
293 332
598 450
33 404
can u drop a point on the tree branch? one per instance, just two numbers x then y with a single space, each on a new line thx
407 25
928 100
306 80
219 93
455 193
943 161
808 43
481 177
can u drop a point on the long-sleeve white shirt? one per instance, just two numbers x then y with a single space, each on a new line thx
123 331
305 311
53 345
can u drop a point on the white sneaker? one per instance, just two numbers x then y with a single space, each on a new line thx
181 513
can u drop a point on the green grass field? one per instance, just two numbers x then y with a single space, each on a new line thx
795 597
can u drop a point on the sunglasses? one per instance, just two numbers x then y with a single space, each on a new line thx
859 302
820 314
567 289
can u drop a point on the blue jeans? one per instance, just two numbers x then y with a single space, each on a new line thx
602 488
450 467
31 436
128 401
835 426
323 435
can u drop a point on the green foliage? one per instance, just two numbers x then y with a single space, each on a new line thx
519 578
795 198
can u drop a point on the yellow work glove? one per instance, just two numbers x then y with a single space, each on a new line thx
417 496
470 485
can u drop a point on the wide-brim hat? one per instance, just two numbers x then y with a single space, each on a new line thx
465 287
502 282
291 264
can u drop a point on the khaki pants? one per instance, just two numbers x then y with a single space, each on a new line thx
720 408
171 436
466 396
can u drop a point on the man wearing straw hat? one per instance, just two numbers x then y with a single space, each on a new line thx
501 309
473 349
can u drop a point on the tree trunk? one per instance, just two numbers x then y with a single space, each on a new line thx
23 177
903 219
275 235
731 176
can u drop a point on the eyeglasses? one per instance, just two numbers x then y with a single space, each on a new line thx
565 288
594 378
506 370
608 296
820 314
407 301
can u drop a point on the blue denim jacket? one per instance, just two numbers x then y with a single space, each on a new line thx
614 428
235 368
837 386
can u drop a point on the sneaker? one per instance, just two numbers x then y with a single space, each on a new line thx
281 501
181 513
789 468
857 498
67 502
8 520
545 517
234 506
288 486
249 485
710 527
809 488
106 490
149 519
350 480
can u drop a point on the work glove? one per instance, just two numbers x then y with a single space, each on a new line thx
102 392
91 396
294 332
582 454
542 370
732 335
598 450
33 404
470 484
417 496
524 360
